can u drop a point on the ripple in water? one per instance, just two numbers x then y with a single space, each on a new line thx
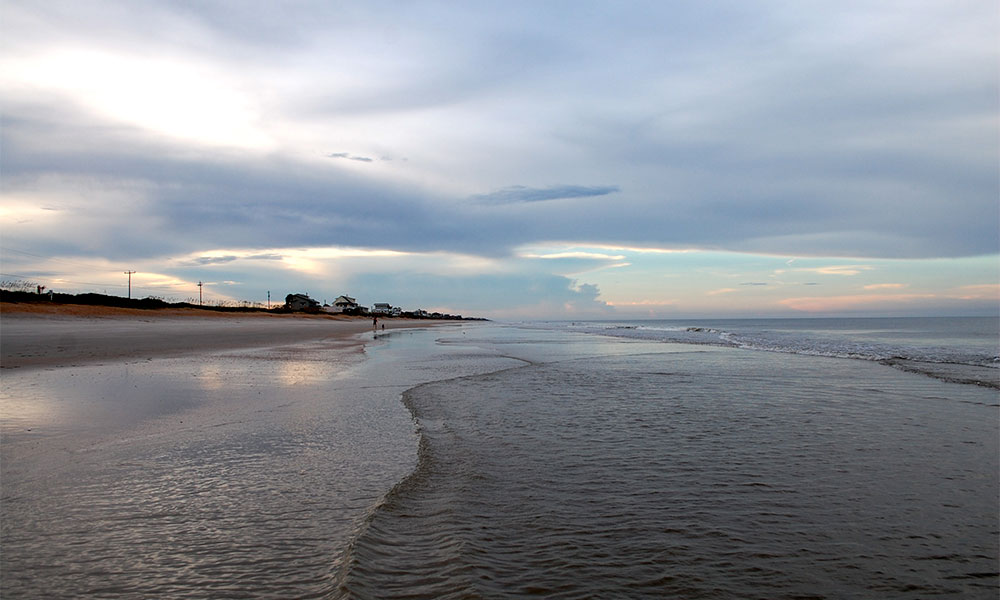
711 474
215 476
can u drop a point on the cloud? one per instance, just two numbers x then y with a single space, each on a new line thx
214 260
986 291
228 258
644 303
848 270
810 131
263 257
536 296
520 194
885 286
843 270
583 255
847 303
350 157
641 250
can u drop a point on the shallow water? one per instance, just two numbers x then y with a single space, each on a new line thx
616 468
226 475
542 463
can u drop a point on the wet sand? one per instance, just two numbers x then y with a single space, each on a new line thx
34 336
150 454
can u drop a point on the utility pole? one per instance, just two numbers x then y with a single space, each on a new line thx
129 273
199 293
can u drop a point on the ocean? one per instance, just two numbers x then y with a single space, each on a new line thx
851 458
715 459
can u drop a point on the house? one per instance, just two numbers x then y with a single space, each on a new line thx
343 304
300 302
381 308
421 313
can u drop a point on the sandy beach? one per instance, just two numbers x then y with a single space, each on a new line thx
40 335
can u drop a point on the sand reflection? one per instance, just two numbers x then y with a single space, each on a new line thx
209 377
303 372
20 411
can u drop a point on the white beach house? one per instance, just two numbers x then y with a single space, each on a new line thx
343 304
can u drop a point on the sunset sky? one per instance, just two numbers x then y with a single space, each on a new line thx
508 159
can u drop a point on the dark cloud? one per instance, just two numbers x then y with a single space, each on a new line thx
181 201
219 260
213 260
186 200
349 157
761 129
518 194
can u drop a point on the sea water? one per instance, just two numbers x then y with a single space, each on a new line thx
221 475
615 462
960 349
779 459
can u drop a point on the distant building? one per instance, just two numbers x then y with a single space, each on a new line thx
343 304
300 302
381 308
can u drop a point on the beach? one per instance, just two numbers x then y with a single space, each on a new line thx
156 454
491 460
40 335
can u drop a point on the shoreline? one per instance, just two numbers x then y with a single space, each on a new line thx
52 336
273 453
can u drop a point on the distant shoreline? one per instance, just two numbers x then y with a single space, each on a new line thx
44 308
102 305
42 335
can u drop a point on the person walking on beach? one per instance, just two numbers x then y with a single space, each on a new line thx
375 322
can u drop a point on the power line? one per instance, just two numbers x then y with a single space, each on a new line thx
91 267
14 275
174 287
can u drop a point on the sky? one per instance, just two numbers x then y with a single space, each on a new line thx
509 160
